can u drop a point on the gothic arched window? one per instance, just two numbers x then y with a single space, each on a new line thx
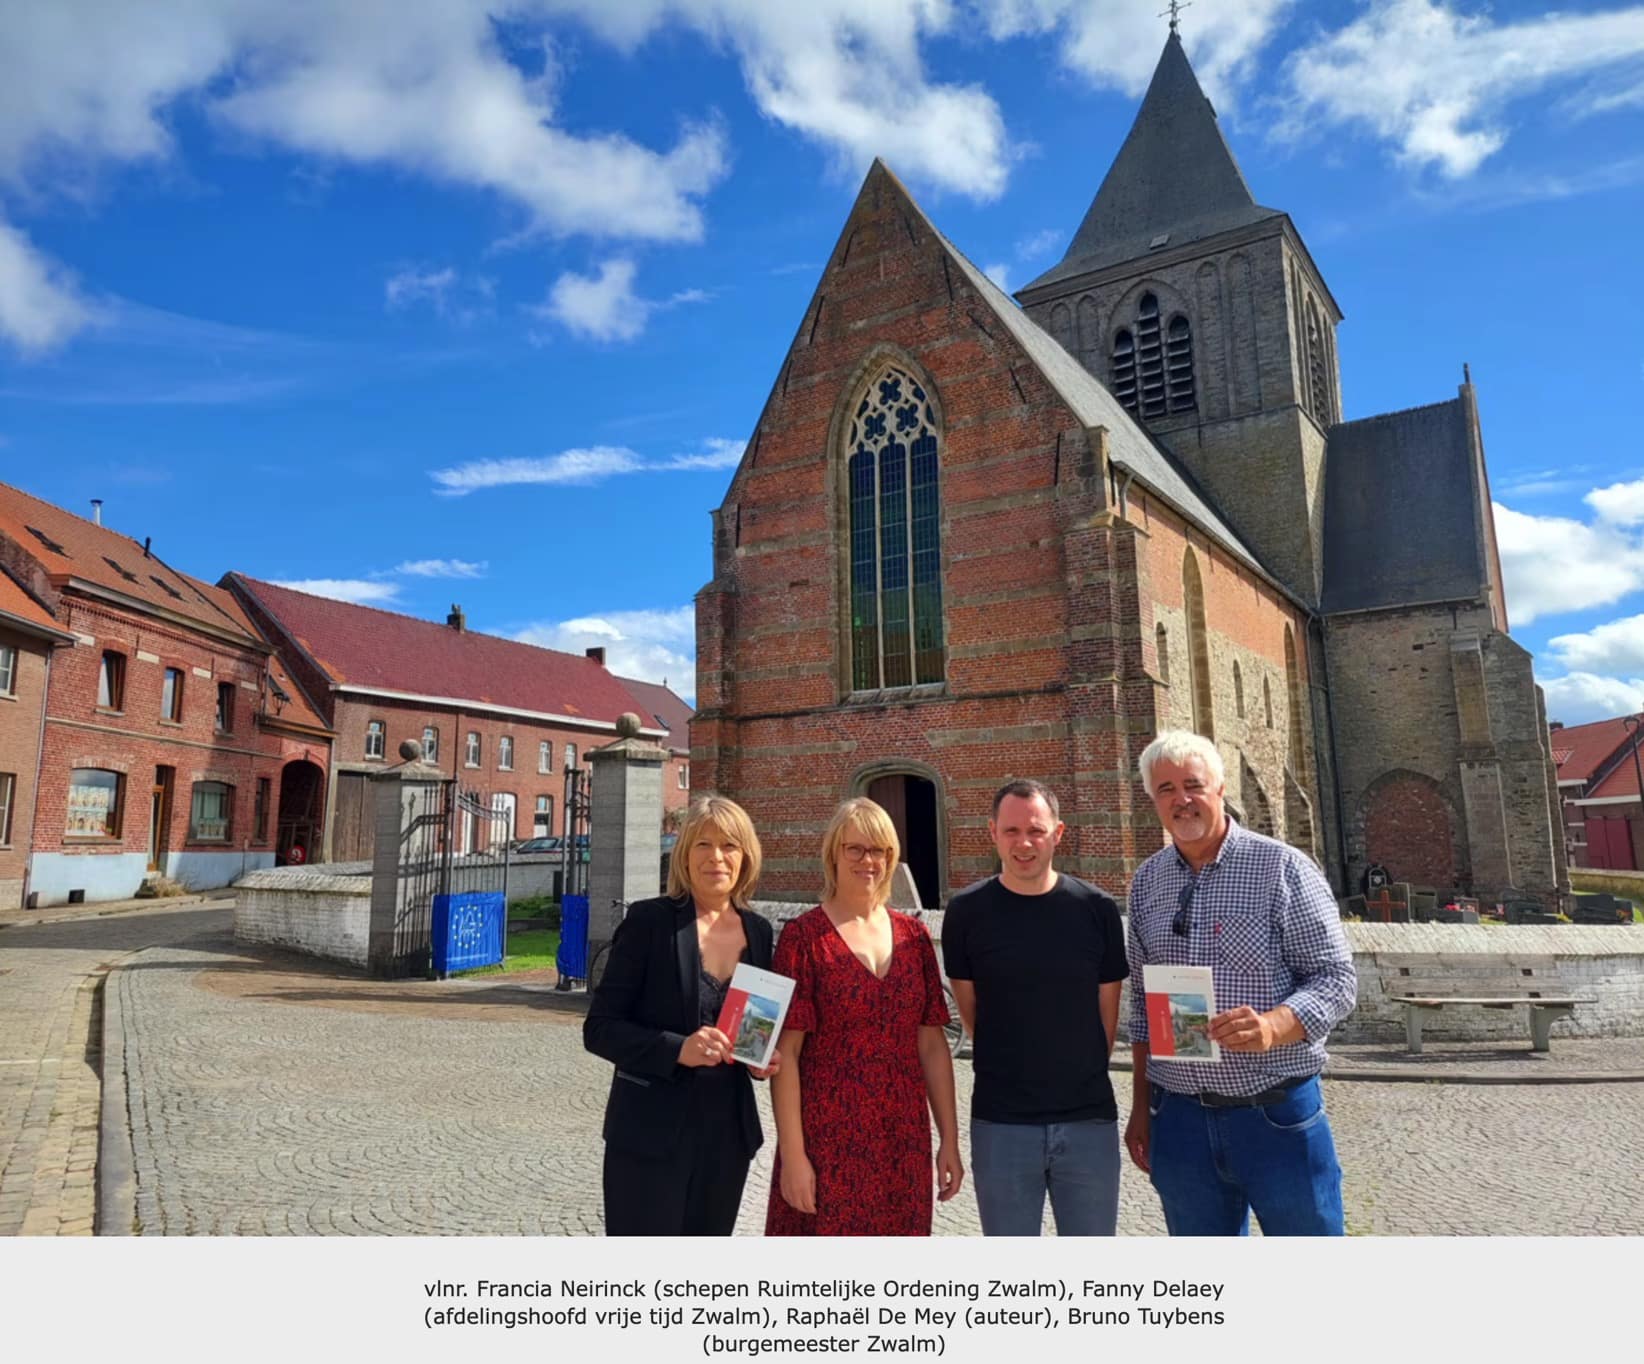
1198 647
1317 369
1153 364
1124 368
895 537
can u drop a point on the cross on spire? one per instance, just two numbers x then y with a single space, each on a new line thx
1175 13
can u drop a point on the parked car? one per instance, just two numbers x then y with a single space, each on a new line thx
547 844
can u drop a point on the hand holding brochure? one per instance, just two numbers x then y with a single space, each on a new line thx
755 1006
1181 1001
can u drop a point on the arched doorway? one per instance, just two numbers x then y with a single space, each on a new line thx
297 837
910 801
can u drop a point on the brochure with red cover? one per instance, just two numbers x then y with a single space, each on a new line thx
755 1006
1181 1001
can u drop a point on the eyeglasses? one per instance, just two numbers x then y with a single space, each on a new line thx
1184 905
857 851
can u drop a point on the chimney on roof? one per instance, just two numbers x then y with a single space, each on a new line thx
597 653
457 620
147 540
1555 724
96 511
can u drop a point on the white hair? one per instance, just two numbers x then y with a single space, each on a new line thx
1178 746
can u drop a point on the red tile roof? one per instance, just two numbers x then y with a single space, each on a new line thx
1586 748
367 647
19 606
69 546
670 712
1623 781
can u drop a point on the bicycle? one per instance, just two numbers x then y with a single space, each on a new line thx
596 962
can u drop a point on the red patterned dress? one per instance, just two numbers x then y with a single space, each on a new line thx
862 1089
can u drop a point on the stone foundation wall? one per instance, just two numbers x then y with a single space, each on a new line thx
309 910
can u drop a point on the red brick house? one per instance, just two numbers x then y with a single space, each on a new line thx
1598 787
28 638
505 718
163 744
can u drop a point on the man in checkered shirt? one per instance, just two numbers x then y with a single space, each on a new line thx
1248 1132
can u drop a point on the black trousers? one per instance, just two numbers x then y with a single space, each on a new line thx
693 1190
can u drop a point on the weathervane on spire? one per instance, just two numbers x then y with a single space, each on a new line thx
1175 13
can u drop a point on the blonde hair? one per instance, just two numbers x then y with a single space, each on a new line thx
870 820
730 820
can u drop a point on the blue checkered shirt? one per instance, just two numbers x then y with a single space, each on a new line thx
1264 920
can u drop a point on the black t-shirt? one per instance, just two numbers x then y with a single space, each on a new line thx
1037 962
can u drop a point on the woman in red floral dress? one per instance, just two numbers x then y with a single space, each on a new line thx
866 1063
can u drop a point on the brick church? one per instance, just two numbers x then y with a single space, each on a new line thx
971 540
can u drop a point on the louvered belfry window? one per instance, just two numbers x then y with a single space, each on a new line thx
895 537
1153 364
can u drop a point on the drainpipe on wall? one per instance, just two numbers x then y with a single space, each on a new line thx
39 770
1335 751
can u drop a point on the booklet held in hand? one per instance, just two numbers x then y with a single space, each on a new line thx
755 1006
1181 1001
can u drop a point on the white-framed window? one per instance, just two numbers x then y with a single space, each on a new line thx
8 670
545 756
225 707
94 803
684 776
111 681
376 738
543 824
8 794
473 755
171 695
570 755
211 813
505 753
430 744
502 826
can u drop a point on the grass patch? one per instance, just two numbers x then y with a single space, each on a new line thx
532 951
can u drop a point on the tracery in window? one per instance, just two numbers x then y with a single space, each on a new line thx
895 537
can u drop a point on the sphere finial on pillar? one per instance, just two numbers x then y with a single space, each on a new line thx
628 725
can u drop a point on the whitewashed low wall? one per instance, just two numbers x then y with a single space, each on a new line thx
305 909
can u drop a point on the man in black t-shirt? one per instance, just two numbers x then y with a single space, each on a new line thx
1036 960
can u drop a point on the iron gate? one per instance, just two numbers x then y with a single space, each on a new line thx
571 961
451 895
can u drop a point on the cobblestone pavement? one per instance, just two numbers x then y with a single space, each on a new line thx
253 1111
50 972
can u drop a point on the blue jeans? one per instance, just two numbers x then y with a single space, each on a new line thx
1013 1166
1213 1166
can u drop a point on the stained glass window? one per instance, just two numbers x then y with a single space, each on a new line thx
895 537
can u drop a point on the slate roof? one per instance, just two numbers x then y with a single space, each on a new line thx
1174 174
1402 511
1129 446
366 647
69 546
670 712
1581 750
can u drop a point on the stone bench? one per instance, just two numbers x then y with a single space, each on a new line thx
1426 982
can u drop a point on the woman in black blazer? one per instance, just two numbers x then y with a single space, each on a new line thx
681 1126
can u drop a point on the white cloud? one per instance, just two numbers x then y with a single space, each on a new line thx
442 568
846 74
1582 697
419 286
604 306
581 466
1554 564
1000 275
1041 243
360 591
1621 504
1614 647
40 307
1115 43
417 85
1437 84
653 646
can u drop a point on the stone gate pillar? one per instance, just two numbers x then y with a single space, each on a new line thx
399 796
625 836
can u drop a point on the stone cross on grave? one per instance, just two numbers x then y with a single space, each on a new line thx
1175 13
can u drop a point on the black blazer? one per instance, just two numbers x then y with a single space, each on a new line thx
644 1008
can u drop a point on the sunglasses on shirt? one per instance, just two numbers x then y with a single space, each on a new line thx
1184 906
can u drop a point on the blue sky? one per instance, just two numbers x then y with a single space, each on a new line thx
432 302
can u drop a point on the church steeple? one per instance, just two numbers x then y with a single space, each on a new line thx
1174 178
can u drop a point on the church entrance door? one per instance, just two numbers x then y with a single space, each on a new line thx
910 801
